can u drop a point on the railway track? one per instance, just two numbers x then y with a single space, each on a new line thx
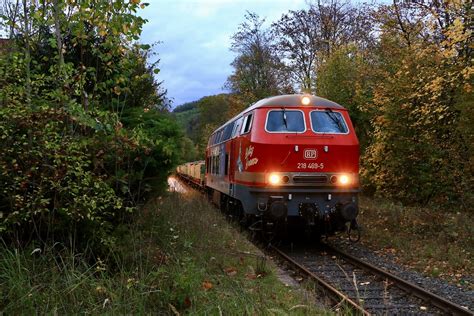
365 288
362 287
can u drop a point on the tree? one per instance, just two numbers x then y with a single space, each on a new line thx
409 92
424 87
213 112
347 77
335 23
257 69
306 38
298 41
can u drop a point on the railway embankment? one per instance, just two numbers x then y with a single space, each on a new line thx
214 269
180 257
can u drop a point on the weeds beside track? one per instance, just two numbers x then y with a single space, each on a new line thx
178 257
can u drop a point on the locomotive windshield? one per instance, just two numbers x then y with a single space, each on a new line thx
328 122
282 121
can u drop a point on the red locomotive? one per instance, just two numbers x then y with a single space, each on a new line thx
287 161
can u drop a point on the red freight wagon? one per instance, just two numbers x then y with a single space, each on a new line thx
287 160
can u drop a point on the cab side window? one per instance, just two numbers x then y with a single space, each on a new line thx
247 124
227 131
237 127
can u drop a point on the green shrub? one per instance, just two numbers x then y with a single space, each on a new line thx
47 177
161 143
69 169
66 173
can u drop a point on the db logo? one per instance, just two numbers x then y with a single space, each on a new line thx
310 154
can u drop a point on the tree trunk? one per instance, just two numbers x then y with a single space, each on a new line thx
26 21
59 42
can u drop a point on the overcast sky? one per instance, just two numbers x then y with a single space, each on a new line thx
195 36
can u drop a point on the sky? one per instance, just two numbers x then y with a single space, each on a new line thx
195 38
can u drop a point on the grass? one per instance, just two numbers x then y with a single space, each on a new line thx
436 242
180 257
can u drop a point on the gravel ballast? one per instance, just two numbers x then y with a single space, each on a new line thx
456 294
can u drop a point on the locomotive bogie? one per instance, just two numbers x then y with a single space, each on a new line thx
314 206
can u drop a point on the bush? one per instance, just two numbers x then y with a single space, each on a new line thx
71 172
161 140
66 173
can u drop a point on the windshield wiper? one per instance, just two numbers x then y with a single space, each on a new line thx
284 118
335 119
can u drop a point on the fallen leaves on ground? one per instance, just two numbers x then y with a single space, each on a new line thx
207 285
251 276
187 302
231 271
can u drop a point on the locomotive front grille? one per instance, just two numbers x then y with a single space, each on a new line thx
310 179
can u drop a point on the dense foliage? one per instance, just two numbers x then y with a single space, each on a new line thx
83 123
409 93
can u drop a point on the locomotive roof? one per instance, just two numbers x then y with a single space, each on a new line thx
289 100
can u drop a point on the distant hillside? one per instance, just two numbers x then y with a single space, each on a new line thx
187 116
186 107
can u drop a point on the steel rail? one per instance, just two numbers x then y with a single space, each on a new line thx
413 289
337 296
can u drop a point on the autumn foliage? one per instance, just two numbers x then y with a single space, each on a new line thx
85 137
419 150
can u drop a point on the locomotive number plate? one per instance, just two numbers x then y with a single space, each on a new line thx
312 165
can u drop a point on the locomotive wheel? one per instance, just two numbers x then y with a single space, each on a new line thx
245 221
316 236
274 230
268 231
233 210
255 227
353 231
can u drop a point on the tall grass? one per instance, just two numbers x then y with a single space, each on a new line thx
179 256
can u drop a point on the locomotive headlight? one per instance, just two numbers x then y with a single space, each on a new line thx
344 179
274 179
305 100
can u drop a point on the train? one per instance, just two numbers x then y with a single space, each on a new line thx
286 162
